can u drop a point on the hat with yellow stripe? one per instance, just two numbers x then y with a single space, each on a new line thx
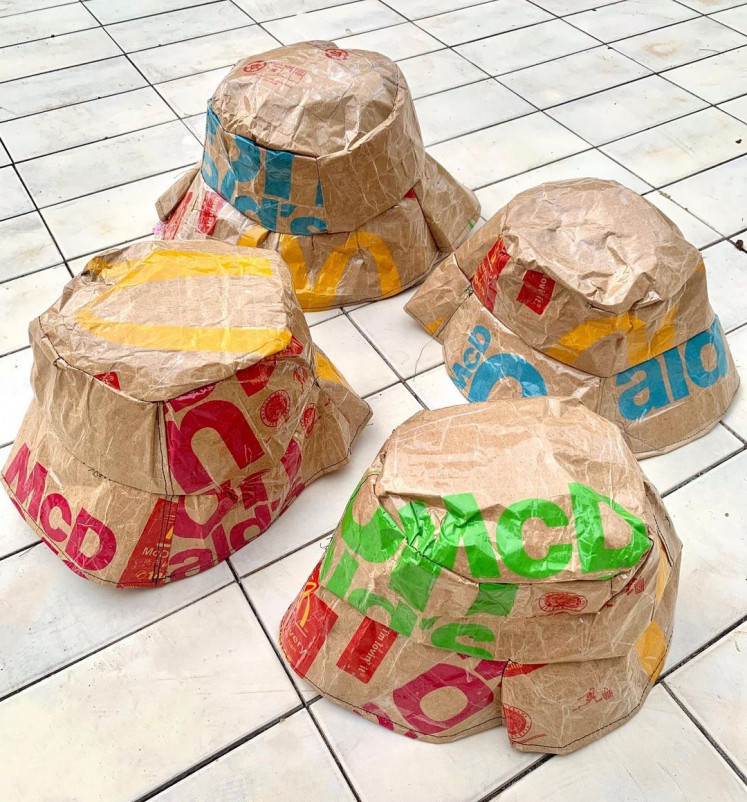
503 562
583 288
315 151
179 407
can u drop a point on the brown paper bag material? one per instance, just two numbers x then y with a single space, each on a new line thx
317 150
179 407
669 392
505 562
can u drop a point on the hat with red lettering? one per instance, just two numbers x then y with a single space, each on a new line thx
500 563
179 407
583 288
316 152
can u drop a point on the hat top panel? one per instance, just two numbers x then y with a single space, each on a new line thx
600 240
158 319
312 98
549 483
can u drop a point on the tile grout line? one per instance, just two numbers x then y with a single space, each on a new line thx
288 673
707 735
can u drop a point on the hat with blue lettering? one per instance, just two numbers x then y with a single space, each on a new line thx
315 151
583 288
500 563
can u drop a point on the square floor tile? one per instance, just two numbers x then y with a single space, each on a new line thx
288 762
319 508
437 72
571 77
735 18
52 617
630 17
467 108
328 23
407 347
460 771
53 90
626 109
14 199
190 95
713 687
397 41
564 7
15 372
709 514
42 24
187 687
507 149
189 23
436 389
710 6
737 108
315 318
8 7
680 44
671 470
694 231
56 53
108 11
107 218
25 298
525 47
100 165
417 9
487 19
658 755
715 79
717 196
15 534
736 417
202 54
272 591
591 163
682 147
726 268
82 123
353 356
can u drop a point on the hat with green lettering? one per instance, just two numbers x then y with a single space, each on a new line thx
583 288
500 563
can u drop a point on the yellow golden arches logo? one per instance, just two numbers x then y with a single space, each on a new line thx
334 266
640 348
165 265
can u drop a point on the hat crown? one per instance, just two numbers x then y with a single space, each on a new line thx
313 98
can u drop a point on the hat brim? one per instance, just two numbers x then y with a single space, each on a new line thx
122 536
381 258
435 695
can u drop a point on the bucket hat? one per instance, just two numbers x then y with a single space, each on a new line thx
583 288
179 407
500 563
316 152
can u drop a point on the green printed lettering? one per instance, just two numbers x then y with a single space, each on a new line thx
494 599
593 553
375 541
342 577
511 543
402 618
447 637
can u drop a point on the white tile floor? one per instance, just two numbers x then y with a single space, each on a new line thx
180 693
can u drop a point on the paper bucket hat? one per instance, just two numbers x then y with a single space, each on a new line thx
583 288
179 408
500 563
316 152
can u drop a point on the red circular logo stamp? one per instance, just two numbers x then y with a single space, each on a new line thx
255 66
275 408
337 55
518 723
560 601
308 419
